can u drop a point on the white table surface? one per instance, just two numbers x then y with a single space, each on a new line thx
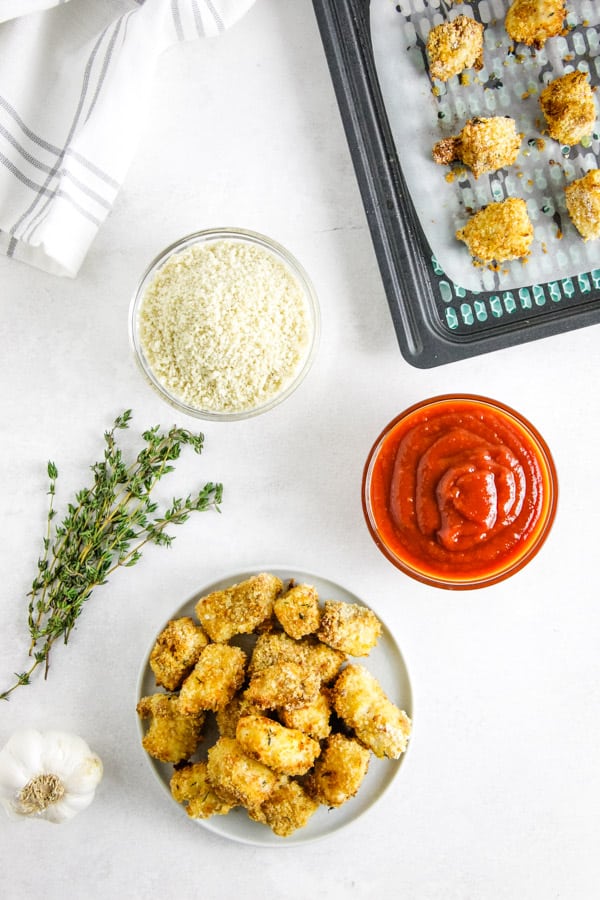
500 793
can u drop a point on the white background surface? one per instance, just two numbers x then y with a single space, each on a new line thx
500 793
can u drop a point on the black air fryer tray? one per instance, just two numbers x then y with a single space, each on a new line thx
433 318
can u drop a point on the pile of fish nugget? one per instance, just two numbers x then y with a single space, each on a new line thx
297 719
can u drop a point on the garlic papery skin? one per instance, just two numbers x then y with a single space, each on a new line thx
49 775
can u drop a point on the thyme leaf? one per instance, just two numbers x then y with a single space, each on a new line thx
105 527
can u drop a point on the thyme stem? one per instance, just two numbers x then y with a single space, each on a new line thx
105 528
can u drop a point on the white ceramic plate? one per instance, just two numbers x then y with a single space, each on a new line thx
385 662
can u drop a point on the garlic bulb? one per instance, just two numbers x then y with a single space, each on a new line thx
51 775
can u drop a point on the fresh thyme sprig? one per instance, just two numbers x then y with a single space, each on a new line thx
107 526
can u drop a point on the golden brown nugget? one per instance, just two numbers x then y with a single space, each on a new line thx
228 717
176 652
236 777
348 627
532 22
499 232
298 610
583 203
484 145
309 653
171 736
285 685
285 750
454 46
313 719
287 808
239 609
214 680
361 703
569 108
190 787
338 772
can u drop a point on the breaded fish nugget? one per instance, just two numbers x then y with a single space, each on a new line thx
228 717
499 232
313 719
236 777
484 145
583 203
569 108
309 653
361 703
338 772
532 22
176 652
287 808
214 680
348 627
171 736
285 750
453 46
298 610
284 685
190 787
240 609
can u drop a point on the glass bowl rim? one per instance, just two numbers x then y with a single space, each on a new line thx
244 236
498 575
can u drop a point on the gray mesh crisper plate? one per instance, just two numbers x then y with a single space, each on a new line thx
443 308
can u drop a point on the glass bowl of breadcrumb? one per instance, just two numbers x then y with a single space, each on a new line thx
224 324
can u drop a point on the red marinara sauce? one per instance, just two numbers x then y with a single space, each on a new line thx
459 491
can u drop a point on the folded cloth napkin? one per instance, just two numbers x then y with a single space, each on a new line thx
74 78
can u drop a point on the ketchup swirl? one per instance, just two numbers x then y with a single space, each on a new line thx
460 489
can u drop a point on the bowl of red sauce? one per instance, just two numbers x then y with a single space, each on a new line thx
459 491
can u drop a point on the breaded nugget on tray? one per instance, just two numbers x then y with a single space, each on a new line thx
569 108
287 808
338 772
171 737
453 46
298 610
499 232
533 22
285 750
313 719
349 628
284 685
190 786
360 701
240 609
583 204
236 777
484 145
218 674
176 652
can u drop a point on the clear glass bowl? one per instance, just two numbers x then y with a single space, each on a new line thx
293 267
446 510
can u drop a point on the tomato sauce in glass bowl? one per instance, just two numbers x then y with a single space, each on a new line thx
459 491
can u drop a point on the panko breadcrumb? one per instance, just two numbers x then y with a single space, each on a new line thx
313 719
348 627
311 654
218 674
532 22
285 750
583 203
284 685
190 786
236 777
176 652
453 46
498 232
239 609
338 772
171 736
287 808
484 145
569 108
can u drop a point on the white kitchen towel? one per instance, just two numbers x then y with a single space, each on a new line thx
75 76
